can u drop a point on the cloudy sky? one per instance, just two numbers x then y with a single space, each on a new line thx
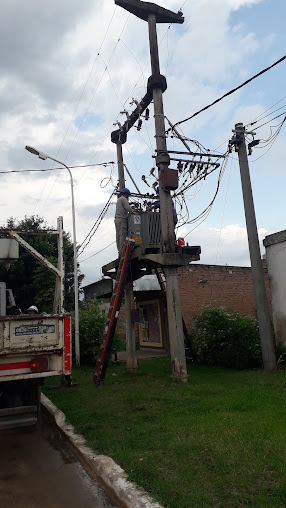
68 70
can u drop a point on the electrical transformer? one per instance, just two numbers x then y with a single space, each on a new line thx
146 227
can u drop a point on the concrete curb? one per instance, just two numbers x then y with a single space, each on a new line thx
100 467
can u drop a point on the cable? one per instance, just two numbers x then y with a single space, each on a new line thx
274 137
87 80
284 112
54 169
255 121
98 85
232 91
96 225
207 210
268 109
98 252
74 112
89 105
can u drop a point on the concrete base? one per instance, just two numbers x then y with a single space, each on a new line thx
103 469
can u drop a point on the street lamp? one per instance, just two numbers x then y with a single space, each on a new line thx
44 156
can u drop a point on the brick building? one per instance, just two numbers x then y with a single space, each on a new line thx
200 285
227 286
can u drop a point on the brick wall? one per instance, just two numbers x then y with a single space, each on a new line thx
227 286
201 285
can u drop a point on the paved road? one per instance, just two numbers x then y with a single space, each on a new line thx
37 470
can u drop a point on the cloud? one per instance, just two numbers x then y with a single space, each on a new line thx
68 70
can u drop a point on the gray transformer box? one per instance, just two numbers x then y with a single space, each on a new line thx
146 227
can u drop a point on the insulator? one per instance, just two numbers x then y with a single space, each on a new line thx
139 125
147 114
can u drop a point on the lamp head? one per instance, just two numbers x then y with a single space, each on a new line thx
41 155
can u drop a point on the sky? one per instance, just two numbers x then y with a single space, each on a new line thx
69 70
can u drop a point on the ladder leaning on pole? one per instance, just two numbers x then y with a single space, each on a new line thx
113 312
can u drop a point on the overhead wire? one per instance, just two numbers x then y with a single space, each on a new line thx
232 91
96 225
98 252
57 168
207 210
77 104
268 109
89 105
278 116
273 139
98 85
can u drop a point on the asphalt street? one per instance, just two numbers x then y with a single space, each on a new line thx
38 470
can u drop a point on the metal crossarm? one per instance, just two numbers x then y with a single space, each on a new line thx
113 312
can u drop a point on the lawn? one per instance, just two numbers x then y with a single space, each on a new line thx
217 441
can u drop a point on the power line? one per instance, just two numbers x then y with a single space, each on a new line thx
232 91
90 102
98 252
262 125
257 118
86 82
96 225
54 169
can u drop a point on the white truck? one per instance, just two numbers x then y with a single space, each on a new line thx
31 347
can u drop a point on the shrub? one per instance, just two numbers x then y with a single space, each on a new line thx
91 324
226 339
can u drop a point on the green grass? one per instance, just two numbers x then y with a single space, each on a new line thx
218 441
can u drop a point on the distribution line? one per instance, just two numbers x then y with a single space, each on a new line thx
73 115
268 109
95 254
88 108
232 91
54 169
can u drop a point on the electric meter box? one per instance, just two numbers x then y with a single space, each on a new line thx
169 178
146 227
9 250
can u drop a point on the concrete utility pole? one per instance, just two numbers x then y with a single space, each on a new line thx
264 322
153 14
129 300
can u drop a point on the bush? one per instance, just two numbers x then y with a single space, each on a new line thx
226 339
91 324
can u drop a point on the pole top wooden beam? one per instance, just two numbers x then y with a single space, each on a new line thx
143 9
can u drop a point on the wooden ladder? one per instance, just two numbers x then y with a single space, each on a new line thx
113 312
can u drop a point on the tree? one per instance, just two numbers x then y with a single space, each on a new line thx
30 281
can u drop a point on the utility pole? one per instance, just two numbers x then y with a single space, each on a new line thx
157 84
264 322
129 299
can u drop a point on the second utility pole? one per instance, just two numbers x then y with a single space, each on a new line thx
263 317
